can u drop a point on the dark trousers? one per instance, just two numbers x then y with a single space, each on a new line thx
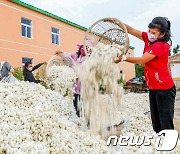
162 108
76 101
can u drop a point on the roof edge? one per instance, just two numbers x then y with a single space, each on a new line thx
177 54
48 14
131 47
53 16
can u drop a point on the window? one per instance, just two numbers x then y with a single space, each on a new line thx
55 35
26 28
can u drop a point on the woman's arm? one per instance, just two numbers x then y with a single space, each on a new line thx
130 29
134 31
138 60
37 66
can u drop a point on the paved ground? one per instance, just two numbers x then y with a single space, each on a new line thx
177 112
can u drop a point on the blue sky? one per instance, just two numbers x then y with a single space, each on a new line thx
137 13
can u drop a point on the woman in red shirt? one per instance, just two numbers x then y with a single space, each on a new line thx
155 59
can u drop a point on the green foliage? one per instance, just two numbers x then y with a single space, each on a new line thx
175 50
19 73
139 68
127 87
43 83
121 81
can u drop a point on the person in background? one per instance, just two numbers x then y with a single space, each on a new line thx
77 95
28 72
80 55
6 72
78 58
122 75
162 90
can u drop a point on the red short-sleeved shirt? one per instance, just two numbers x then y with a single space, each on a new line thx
156 71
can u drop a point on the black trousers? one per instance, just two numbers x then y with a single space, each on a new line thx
162 108
76 101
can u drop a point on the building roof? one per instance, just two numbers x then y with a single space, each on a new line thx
175 55
52 16
131 47
175 58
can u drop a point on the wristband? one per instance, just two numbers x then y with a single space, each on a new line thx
123 58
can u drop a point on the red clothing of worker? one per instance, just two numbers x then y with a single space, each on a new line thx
156 71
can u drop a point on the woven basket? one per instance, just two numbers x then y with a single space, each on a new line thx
107 31
59 60
42 72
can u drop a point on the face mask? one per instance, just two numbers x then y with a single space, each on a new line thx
30 69
83 52
152 37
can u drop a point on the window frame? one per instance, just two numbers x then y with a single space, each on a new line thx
55 34
30 26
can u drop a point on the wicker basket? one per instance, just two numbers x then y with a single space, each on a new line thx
107 31
59 60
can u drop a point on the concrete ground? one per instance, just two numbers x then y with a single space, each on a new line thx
177 112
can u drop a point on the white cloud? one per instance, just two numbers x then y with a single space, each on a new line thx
164 8
74 10
169 8
136 13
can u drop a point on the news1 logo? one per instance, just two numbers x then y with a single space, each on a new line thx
167 143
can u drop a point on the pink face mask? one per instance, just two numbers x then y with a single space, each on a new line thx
152 38
82 49
83 52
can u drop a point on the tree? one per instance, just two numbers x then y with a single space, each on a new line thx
19 74
139 70
176 49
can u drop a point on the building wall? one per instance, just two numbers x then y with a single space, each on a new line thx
175 69
13 46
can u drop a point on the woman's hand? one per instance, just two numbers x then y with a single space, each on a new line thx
109 19
45 62
58 52
118 59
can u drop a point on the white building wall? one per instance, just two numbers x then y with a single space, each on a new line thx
175 70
